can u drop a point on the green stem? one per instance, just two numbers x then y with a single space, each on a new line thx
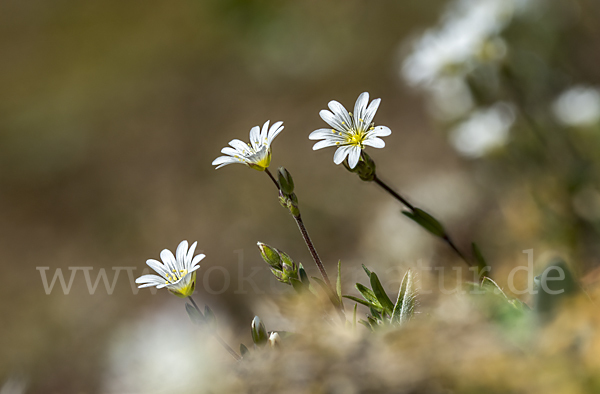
398 197
236 356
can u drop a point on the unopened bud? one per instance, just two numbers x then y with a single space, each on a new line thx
259 332
269 255
274 340
285 180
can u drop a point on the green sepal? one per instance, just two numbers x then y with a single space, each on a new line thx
303 275
426 221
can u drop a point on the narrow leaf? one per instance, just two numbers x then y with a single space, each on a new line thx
405 304
426 221
382 297
358 300
195 316
338 285
354 318
367 270
367 293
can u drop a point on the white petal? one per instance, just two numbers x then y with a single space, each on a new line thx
332 120
371 110
239 145
231 161
374 142
324 144
341 112
340 154
180 254
354 156
158 267
321 134
380 131
265 131
255 136
190 252
223 160
274 132
360 107
150 279
230 151
168 259
196 260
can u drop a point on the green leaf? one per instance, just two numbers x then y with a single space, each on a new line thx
375 313
367 270
354 317
243 350
382 297
489 286
367 294
405 304
195 316
358 300
481 263
426 221
211 319
338 285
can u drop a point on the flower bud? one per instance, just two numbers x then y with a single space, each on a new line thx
270 255
274 340
259 332
285 180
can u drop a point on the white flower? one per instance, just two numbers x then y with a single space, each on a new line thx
256 154
578 106
177 273
350 132
484 130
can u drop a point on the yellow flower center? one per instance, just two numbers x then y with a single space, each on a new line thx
356 139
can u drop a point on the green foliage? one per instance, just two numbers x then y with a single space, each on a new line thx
426 221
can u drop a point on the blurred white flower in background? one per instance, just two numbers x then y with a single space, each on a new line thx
484 130
468 33
578 106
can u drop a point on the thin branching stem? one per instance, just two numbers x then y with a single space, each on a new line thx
412 208
236 356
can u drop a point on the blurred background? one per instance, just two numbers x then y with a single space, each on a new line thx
111 113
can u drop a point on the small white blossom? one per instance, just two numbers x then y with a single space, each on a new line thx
484 130
256 154
177 273
578 106
350 132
